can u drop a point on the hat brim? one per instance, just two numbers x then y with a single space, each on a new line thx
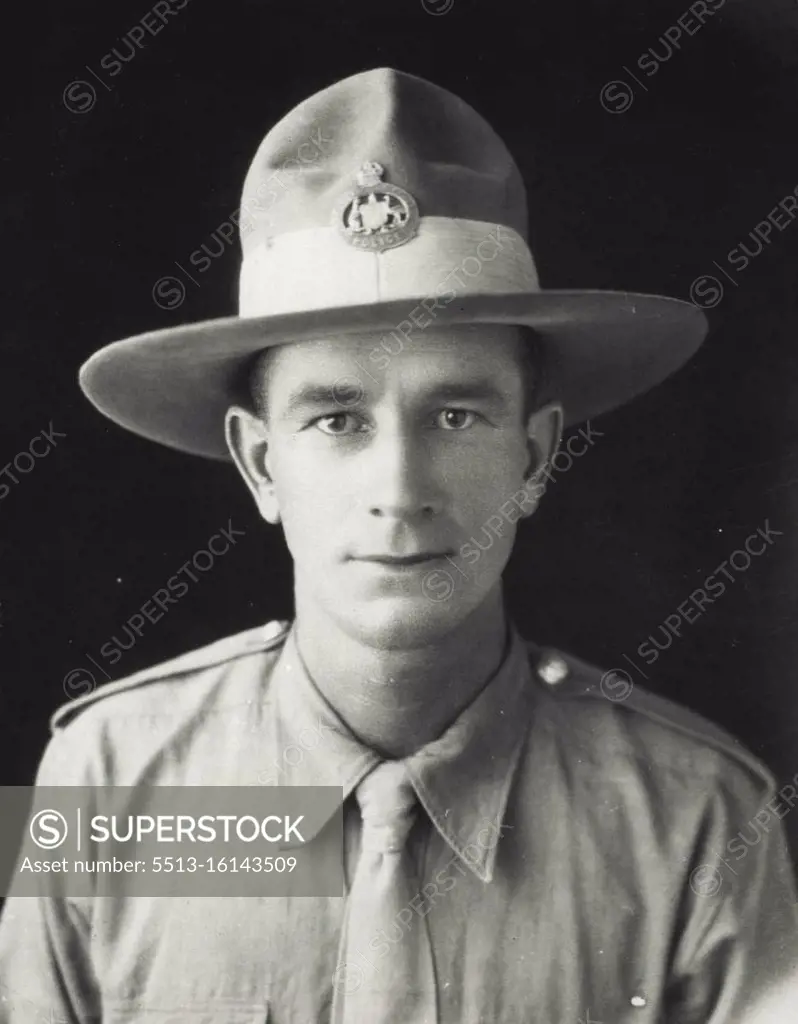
174 386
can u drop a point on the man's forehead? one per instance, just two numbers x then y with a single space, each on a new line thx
464 346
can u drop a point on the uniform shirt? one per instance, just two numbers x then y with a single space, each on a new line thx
569 852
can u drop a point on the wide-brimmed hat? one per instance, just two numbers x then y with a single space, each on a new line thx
384 204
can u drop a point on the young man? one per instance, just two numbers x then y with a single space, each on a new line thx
518 847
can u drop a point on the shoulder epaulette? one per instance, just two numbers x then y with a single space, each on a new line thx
568 678
250 641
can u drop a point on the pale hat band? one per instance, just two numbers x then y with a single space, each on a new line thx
316 269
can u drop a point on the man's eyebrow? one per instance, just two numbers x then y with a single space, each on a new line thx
480 389
342 393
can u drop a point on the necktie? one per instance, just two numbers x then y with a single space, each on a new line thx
385 972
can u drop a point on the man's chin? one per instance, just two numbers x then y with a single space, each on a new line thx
398 623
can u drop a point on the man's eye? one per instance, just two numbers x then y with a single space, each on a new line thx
336 423
456 419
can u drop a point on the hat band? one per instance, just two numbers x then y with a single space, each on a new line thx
301 271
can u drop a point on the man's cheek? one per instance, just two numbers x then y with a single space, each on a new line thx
304 531
307 492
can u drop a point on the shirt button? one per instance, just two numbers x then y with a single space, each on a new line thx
552 668
638 1001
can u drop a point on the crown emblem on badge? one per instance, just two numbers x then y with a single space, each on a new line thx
376 215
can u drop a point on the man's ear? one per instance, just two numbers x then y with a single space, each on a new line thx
544 432
248 441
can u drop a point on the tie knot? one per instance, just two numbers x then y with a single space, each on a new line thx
388 804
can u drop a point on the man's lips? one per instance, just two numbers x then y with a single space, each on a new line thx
399 561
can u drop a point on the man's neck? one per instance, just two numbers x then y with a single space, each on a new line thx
396 701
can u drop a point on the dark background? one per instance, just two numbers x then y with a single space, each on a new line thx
97 205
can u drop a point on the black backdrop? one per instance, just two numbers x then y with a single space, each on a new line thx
103 199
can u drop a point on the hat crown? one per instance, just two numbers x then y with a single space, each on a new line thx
428 141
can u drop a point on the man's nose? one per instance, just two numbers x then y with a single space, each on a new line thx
400 478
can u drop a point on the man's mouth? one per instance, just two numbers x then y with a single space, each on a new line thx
403 561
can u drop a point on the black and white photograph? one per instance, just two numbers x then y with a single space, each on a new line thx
399 513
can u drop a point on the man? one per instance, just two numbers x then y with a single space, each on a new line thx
518 847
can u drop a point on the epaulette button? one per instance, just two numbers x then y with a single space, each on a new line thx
552 668
272 630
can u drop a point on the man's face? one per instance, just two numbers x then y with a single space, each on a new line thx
388 472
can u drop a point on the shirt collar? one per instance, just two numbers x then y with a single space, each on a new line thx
462 779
